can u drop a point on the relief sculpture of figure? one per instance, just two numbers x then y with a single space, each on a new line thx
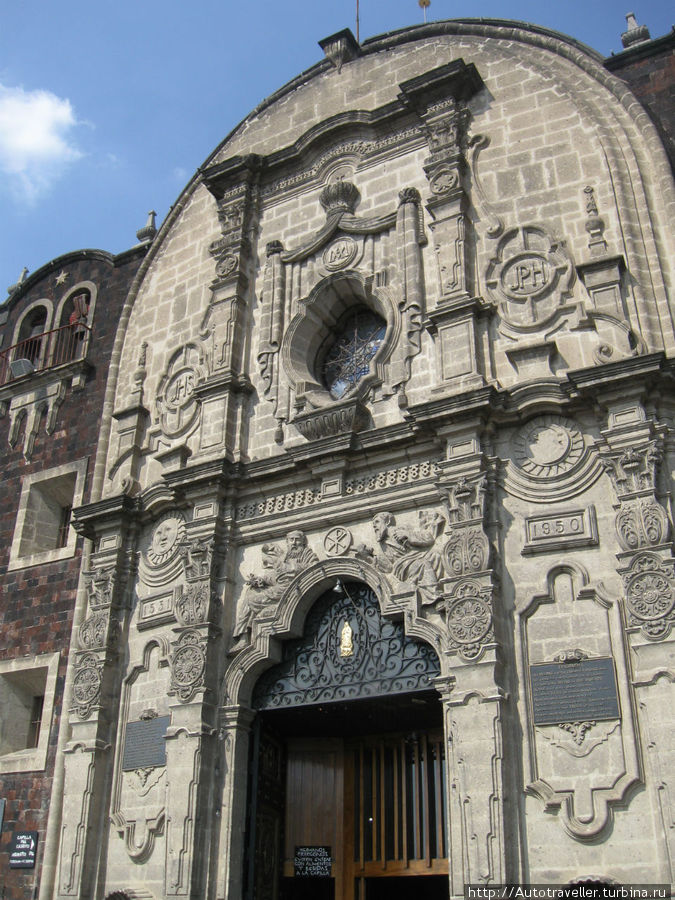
279 568
407 552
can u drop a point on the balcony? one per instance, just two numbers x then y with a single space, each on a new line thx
42 352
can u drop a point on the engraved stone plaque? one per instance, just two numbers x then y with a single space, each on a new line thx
574 691
312 862
144 745
551 531
156 610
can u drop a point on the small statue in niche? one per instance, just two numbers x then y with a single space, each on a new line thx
346 640
408 553
280 566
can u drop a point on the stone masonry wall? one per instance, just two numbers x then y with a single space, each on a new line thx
37 602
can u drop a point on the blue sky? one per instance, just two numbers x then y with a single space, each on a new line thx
106 109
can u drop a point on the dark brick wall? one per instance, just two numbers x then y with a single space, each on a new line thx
36 603
649 69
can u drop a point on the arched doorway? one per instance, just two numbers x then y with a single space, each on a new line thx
347 789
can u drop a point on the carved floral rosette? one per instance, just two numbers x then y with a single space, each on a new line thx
650 594
188 666
468 614
87 684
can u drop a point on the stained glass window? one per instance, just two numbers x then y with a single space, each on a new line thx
348 359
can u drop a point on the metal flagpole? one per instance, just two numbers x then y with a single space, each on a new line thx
358 41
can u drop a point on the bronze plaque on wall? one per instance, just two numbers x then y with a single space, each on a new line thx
144 744
574 691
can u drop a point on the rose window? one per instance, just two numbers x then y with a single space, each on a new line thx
349 356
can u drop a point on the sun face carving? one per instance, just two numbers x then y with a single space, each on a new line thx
550 461
164 540
548 446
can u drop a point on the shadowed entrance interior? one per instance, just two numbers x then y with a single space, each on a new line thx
357 785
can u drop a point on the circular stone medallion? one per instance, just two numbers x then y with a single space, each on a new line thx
341 253
164 540
337 541
548 446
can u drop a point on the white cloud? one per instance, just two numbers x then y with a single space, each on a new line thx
35 140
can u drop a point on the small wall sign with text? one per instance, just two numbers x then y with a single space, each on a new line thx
23 850
312 862
574 691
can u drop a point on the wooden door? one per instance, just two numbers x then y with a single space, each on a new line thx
394 808
378 802
314 806
267 812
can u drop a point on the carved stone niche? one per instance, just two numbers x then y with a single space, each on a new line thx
138 802
310 337
581 753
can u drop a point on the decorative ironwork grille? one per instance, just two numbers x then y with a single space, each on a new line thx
348 652
348 359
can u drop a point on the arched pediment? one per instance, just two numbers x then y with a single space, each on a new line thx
287 620
348 651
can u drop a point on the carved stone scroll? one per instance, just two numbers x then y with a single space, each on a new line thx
272 321
409 236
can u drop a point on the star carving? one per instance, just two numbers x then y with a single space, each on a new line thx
62 277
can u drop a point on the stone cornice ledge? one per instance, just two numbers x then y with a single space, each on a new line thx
611 375
88 518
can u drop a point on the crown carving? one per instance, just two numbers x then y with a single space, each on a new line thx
340 196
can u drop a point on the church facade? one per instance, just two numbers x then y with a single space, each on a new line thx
379 567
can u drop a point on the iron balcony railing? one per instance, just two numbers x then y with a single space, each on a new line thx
44 351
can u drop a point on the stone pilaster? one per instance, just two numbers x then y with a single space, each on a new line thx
95 694
235 734
473 721
439 99
473 698
223 330
632 452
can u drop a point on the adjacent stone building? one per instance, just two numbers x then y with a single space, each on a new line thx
58 327
380 581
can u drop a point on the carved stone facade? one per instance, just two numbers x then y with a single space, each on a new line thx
393 500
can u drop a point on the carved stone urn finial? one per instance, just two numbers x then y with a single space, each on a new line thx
149 230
